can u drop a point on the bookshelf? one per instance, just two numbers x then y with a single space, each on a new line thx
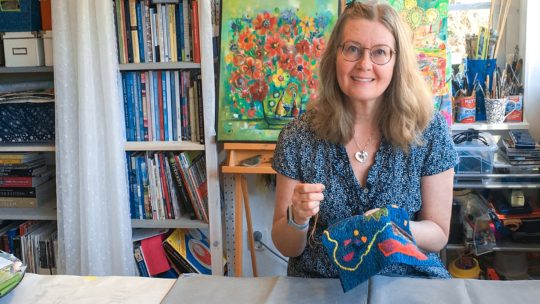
206 70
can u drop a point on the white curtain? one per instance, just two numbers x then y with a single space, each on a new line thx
93 206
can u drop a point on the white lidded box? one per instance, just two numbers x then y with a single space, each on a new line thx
23 49
48 46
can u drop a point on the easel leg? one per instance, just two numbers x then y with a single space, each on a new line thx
249 226
238 225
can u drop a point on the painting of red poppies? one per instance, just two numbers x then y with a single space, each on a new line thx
268 64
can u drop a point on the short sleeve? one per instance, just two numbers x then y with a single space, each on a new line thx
286 155
440 152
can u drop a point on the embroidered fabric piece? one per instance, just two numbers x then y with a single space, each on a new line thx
361 246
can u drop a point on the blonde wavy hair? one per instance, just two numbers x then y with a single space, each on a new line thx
407 105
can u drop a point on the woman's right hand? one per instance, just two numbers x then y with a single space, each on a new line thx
305 200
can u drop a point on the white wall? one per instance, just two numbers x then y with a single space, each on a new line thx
532 65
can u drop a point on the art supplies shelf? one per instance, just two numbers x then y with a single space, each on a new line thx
159 70
483 126
502 245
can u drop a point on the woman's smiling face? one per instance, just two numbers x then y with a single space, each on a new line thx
363 80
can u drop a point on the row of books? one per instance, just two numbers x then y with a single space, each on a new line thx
168 253
33 242
163 106
25 180
168 185
161 32
519 148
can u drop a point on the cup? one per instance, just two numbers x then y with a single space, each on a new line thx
495 110
466 109
514 108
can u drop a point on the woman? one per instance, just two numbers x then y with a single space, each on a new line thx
371 139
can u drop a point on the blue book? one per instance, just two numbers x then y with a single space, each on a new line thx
180 31
155 75
136 105
133 212
140 30
126 102
140 186
165 109
129 91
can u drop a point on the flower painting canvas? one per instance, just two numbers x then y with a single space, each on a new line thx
269 64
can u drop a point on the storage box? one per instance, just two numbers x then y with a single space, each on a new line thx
45 8
23 49
26 122
48 47
19 16
475 156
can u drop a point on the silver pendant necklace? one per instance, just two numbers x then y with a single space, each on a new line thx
362 155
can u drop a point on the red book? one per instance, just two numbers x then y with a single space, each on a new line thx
164 186
22 181
154 255
195 26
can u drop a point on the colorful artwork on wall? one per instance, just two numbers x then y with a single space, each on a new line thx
428 21
268 64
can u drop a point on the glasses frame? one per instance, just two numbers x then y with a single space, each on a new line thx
362 49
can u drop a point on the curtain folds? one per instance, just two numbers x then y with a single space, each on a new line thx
93 212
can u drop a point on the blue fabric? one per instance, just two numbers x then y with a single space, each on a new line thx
361 246
394 178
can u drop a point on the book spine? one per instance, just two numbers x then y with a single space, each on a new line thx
18 202
195 26
21 181
133 30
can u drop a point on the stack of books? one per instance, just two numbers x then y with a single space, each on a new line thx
25 180
519 148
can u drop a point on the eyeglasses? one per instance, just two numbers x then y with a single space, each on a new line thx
379 54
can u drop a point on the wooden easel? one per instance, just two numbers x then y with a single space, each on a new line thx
236 153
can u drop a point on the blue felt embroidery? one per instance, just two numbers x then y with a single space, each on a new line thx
362 246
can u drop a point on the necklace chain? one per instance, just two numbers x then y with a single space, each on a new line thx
362 154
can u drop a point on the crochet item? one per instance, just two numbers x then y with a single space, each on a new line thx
361 246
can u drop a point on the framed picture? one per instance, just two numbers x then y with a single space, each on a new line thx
268 64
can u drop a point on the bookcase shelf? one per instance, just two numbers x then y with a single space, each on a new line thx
206 82
45 212
18 70
163 146
27 148
183 223
159 66
482 126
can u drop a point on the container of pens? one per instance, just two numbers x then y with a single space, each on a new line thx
477 71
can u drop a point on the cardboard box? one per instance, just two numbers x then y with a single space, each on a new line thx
23 49
48 47
20 16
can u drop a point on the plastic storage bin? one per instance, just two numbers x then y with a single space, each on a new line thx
476 156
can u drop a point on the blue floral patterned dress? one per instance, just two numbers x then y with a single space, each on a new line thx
394 178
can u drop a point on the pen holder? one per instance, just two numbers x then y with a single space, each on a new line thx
495 110
477 70
514 108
